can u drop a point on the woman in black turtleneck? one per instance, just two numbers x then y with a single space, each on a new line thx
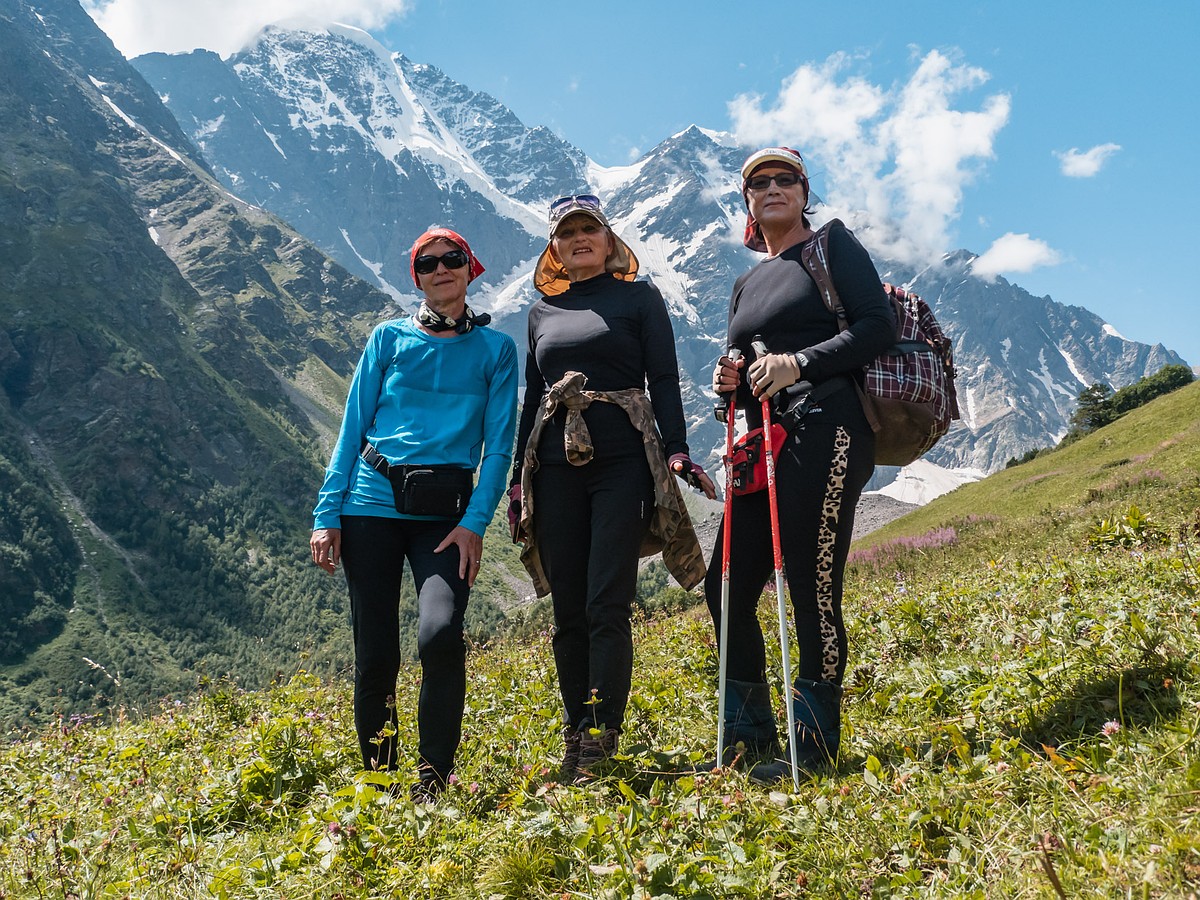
589 519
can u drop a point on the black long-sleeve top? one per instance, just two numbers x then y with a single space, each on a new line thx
618 334
779 300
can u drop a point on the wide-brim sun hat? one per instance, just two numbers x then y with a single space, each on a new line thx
550 276
474 266
786 156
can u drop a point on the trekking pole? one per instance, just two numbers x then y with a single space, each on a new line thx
727 408
784 646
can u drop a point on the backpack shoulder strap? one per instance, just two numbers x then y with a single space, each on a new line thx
814 256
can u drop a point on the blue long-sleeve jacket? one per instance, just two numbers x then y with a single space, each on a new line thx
424 400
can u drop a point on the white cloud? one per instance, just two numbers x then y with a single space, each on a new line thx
1014 253
901 156
1085 164
224 26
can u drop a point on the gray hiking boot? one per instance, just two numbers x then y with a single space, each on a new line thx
816 706
570 764
595 749
750 731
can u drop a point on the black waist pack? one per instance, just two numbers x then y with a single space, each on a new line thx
441 491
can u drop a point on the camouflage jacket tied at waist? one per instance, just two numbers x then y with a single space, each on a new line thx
670 530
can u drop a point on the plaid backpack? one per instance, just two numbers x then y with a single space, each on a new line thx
909 396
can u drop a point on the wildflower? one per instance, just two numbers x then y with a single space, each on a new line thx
474 787
1111 727
1001 766
335 828
453 779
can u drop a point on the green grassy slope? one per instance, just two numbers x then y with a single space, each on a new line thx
1153 448
1022 720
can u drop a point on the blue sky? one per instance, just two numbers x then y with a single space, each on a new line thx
960 120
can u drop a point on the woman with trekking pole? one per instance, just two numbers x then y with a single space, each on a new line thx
433 399
791 366
594 487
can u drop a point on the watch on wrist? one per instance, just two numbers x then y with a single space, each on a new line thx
801 360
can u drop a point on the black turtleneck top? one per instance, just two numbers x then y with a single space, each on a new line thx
618 334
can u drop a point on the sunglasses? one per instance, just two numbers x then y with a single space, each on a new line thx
452 259
783 180
563 205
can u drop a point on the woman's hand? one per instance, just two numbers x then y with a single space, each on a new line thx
681 464
773 372
727 374
470 552
326 546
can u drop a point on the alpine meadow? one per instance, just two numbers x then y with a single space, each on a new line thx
1023 715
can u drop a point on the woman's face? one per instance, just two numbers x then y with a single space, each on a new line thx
445 289
582 245
775 206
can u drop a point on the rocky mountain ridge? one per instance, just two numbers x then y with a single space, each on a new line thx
443 152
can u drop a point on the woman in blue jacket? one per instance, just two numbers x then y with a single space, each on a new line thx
432 400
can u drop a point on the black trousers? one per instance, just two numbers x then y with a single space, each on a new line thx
373 553
590 521
819 476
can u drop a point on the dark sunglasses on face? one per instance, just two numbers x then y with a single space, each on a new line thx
452 259
782 179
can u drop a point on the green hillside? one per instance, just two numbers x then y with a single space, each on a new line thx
1023 720
1053 500
173 363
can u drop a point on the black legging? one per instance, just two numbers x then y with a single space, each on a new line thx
590 521
820 474
373 554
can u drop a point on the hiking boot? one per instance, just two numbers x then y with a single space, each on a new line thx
750 730
816 706
594 751
570 764
428 788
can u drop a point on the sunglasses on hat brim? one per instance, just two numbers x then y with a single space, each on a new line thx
563 206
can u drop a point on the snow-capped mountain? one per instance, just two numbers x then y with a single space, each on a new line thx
360 150
326 130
